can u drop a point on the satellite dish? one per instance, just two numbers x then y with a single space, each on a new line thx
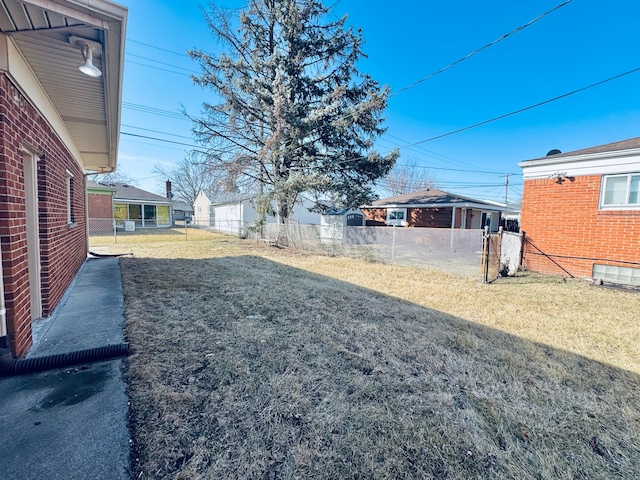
555 151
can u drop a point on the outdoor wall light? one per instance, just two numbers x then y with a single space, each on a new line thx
560 177
87 47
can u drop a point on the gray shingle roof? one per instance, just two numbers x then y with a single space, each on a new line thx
431 197
129 192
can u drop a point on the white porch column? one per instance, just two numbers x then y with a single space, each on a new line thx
453 224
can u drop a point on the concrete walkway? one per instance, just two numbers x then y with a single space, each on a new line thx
70 423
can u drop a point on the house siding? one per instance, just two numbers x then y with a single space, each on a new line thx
564 220
62 247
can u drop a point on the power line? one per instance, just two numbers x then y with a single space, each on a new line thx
162 63
155 145
154 111
429 153
158 68
157 48
162 140
156 131
455 169
469 127
520 28
500 117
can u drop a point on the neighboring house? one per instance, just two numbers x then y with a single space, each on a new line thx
56 125
203 213
181 211
434 209
133 208
234 212
99 208
332 222
581 212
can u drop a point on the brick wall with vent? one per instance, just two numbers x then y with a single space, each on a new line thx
564 221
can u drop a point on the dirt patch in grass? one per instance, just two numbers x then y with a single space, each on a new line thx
255 363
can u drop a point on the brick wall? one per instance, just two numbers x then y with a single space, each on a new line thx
563 220
418 217
375 217
430 217
100 205
63 247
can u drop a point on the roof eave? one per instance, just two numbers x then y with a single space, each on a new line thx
477 206
554 160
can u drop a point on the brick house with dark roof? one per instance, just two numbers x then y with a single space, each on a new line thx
433 208
581 212
56 125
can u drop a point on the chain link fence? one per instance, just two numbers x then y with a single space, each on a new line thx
457 251
108 230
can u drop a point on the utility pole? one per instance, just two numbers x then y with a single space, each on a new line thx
506 186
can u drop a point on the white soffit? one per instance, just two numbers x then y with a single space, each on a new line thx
624 161
88 107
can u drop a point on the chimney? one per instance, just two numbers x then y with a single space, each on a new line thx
169 194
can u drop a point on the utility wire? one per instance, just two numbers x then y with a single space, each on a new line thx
157 48
500 117
469 127
520 28
162 140
158 68
154 111
156 131
162 63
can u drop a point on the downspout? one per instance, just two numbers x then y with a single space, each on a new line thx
3 310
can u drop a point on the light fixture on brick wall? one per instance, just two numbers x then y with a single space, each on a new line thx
88 48
561 177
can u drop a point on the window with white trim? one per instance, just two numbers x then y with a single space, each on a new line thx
397 216
620 191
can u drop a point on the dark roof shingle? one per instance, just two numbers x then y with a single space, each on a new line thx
427 197
129 192
607 147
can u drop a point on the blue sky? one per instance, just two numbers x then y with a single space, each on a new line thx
579 44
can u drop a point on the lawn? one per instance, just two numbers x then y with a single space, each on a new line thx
261 363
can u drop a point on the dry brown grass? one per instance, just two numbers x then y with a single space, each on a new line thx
254 362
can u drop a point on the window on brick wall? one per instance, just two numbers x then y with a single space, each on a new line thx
620 191
397 216
69 182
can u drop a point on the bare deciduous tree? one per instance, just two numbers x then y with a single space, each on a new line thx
115 177
191 175
407 177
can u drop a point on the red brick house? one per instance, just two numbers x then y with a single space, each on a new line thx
56 124
433 209
581 212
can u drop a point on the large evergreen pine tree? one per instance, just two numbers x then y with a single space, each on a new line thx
294 113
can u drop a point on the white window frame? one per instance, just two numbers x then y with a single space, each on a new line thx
618 206
393 212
